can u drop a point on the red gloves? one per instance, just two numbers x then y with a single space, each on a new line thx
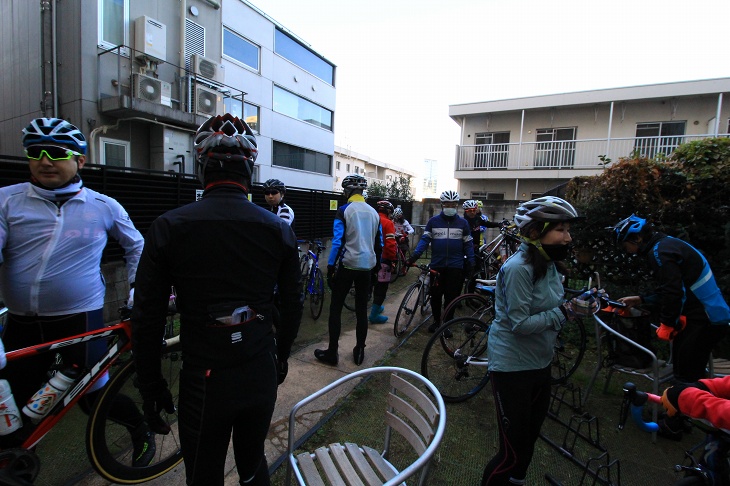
667 333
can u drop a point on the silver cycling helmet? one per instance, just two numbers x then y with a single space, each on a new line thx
470 204
225 142
397 213
547 209
275 184
54 130
449 196
352 182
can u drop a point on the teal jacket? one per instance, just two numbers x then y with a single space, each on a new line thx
527 316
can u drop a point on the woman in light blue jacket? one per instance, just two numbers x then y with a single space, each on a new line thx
529 312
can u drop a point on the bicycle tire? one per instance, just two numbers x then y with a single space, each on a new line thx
399 264
407 309
570 346
350 299
448 356
405 267
470 305
108 443
316 297
425 299
304 271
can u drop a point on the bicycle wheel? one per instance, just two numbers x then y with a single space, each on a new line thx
316 297
304 269
570 345
425 303
455 359
405 267
109 443
399 264
350 299
470 305
407 309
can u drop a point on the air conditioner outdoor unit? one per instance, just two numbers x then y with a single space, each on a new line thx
207 68
206 101
151 89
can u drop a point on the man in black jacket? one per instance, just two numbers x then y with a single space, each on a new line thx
224 256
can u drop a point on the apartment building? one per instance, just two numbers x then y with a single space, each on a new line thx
519 148
350 162
139 78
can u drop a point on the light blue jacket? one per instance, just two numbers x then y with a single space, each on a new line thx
527 316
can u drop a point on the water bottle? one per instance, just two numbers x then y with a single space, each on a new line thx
44 399
10 419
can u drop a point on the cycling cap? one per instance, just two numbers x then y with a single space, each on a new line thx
397 212
631 225
385 207
225 142
449 196
275 184
548 209
470 204
54 130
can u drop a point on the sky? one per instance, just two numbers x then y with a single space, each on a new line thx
401 63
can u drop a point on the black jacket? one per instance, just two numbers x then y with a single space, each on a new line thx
219 253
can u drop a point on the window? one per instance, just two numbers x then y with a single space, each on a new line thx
492 150
658 138
295 52
113 23
495 196
348 168
246 111
289 104
114 153
238 49
286 155
555 148
535 195
338 165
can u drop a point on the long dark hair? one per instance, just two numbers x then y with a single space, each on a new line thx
533 230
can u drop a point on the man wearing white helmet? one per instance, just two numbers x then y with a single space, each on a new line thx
224 255
452 253
53 231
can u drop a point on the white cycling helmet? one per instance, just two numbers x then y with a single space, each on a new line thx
397 212
54 130
548 209
470 204
449 196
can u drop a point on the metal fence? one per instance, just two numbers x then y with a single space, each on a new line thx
146 194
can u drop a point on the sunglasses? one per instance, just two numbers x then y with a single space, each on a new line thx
53 152
270 192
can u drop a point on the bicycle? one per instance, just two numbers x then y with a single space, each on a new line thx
403 253
108 441
476 304
417 297
708 461
458 364
491 256
312 278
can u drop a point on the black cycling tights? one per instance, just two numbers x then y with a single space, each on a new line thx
217 403
522 400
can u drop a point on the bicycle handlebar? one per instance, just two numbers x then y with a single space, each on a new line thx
634 401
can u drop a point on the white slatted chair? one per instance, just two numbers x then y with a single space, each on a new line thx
420 418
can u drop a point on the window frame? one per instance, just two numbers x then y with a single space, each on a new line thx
311 55
491 155
103 141
278 89
304 152
652 145
101 42
548 152
257 68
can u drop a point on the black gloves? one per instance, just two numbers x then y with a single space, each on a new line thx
282 369
331 272
156 398
411 260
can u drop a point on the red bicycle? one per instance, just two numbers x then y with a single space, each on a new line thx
108 441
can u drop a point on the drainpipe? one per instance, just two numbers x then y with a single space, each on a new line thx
608 139
717 115
522 129
517 186
54 68
183 16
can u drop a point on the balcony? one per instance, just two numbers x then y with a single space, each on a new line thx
576 156
132 86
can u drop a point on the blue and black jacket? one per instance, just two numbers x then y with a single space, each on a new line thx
451 242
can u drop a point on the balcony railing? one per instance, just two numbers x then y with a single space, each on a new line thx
569 154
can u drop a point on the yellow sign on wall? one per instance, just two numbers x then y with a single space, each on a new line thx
333 204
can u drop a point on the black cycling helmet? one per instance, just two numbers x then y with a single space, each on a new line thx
353 182
385 207
225 143
275 184
629 226
54 130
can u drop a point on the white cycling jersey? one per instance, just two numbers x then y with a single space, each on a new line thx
51 256
284 212
403 228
